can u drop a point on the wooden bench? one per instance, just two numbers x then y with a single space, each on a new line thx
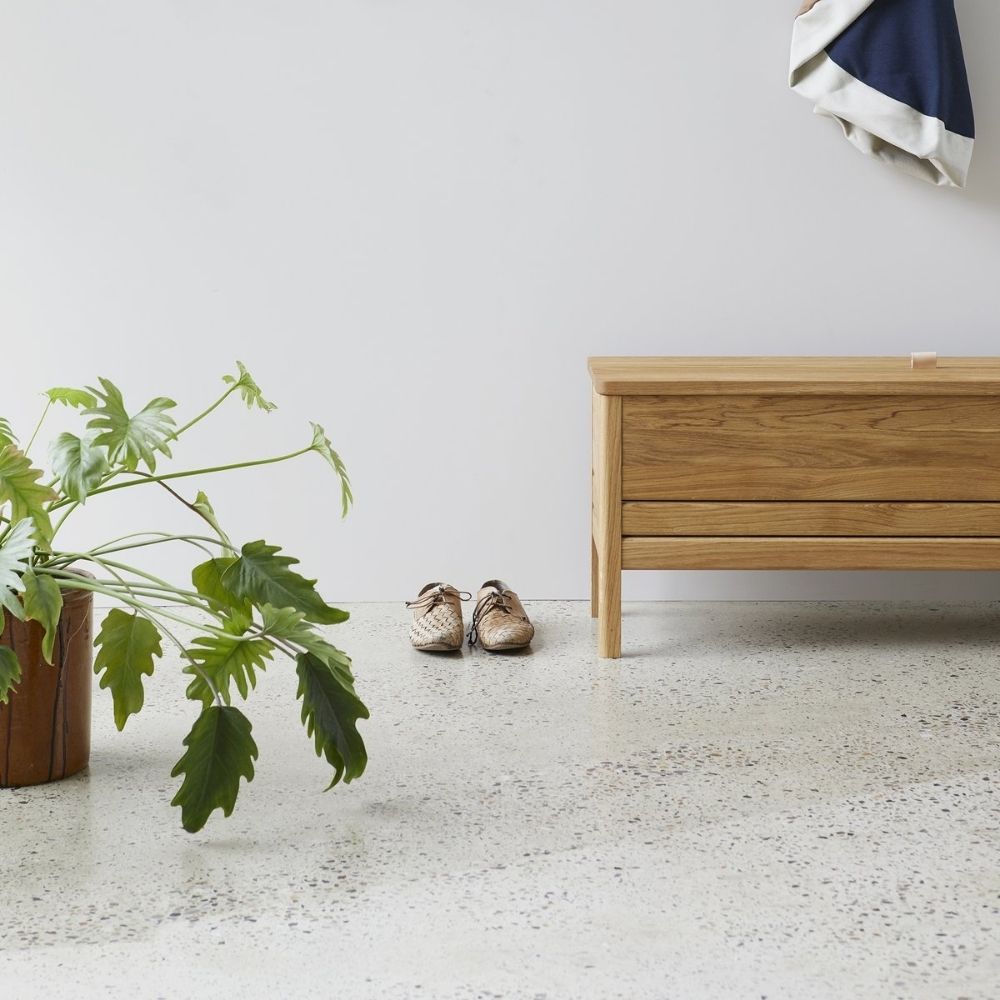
790 463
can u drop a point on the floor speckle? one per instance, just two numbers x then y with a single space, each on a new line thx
758 801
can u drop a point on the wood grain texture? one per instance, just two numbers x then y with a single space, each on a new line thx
791 464
816 518
811 553
595 580
608 514
45 724
886 376
595 566
814 447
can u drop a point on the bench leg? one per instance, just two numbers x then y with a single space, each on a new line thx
608 523
595 602
609 623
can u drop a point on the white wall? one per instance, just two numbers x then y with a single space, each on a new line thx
415 220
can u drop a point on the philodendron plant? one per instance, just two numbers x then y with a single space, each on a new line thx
246 602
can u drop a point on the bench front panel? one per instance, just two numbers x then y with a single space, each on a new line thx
811 448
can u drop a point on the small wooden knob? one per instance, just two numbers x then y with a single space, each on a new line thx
923 359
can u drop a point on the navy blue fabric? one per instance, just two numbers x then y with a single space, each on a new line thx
911 50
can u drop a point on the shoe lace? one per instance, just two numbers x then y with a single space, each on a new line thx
495 600
437 596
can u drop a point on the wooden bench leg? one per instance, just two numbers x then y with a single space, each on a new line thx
609 624
608 523
595 600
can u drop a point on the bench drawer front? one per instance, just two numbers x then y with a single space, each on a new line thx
790 519
833 447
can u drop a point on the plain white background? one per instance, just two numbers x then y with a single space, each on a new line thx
415 220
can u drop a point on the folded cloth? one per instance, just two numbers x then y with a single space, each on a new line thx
892 73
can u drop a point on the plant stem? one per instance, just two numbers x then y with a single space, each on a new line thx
205 413
59 523
107 549
160 538
100 561
189 597
155 616
147 478
190 506
184 653
38 427
288 650
73 581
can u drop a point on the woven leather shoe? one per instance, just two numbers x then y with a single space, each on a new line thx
499 621
437 618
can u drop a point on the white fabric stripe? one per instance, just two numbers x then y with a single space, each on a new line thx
885 128
814 31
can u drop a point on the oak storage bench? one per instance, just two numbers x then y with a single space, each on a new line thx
791 463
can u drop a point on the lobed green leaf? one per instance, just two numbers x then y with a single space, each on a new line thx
126 645
20 488
249 391
130 439
207 578
225 660
42 600
79 399
7 435
330 711
220 751
262 576
10 673
290 625
15 555
322 446
79 463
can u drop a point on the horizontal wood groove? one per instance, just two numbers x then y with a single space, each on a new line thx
811 553
852 518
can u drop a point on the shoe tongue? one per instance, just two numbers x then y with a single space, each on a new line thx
495 585
429 586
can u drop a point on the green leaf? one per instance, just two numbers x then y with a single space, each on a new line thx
127 644
322 446
225 659
130 439
207 580
290 625
282 623
77 398
249 390
79 463
330 711
19 486
43 603
7 435
10 673
202 505
262 576
220 751
15 552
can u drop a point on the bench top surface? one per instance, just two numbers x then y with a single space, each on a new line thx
651 376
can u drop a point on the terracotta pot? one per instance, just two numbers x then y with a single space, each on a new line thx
45 725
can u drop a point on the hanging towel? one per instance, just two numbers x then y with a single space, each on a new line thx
892 73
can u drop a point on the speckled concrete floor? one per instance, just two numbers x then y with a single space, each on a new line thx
759 800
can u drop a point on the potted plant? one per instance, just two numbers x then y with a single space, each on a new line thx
247 603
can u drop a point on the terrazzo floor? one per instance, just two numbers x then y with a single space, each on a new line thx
759 800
